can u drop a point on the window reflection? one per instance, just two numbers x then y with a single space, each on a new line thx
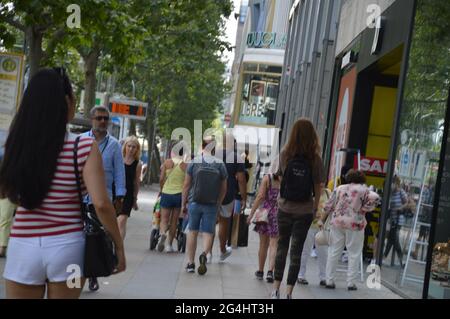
408 225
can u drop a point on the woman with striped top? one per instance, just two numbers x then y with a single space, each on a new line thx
46 249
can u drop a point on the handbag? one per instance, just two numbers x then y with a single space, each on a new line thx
243 231
322 237
261 213
100 258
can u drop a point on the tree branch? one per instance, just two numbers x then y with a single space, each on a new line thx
57 36
15 23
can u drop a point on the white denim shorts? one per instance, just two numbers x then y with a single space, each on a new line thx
37 260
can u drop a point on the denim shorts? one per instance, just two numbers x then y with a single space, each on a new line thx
202 218
170 200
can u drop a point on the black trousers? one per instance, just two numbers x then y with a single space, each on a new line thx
295 226
393 240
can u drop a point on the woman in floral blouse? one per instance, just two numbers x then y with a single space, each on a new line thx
348 205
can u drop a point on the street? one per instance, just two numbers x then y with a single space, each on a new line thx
154 275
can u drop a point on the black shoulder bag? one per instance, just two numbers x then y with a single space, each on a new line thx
100 258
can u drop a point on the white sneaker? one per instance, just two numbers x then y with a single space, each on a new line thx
169 249
209 258
226 254
344 257
313 253
162 243
275 294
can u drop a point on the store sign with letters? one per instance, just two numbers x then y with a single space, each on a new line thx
372 166
268 40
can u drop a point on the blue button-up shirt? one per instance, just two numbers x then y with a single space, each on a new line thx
112 164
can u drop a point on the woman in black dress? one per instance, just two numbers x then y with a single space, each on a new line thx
131 152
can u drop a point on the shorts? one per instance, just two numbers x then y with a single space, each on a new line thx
226 210
170 200
36 260
202 218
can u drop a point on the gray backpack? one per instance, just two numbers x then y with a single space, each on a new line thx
207 184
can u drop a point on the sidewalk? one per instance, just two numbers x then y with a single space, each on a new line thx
151 274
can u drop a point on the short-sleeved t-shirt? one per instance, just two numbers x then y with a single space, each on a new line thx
234 165
201 161
303 208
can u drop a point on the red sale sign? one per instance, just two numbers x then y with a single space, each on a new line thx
372 166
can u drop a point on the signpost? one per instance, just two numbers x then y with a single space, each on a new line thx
11 75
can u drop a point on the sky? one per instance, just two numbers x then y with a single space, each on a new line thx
231 28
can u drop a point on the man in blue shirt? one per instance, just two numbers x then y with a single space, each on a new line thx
112 163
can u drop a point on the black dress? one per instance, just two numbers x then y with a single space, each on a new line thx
130 175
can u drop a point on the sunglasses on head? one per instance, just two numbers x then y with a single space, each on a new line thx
99 118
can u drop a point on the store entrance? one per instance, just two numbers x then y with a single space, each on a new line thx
371 130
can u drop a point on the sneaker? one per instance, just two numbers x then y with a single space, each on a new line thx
302 281
313 253
275 294
209 258
162 243
352 288
202 268
190 268
330 285
93 284
226 254
259 275
344 257
269 276
323 283
169 249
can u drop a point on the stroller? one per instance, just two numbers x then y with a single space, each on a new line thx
155 233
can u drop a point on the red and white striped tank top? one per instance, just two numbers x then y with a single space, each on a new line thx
60 210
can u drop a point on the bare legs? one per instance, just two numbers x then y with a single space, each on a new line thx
58 290
122 222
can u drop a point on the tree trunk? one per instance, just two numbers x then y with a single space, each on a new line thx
35 53
90 69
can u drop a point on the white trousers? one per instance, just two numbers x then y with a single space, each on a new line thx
322 252
354 241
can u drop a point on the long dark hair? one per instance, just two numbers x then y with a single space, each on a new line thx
303 140
35 139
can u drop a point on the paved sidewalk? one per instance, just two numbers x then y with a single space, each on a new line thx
151 274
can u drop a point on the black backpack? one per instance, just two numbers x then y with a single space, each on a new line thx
297 182
207 183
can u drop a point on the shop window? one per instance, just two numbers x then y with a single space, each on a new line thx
409 217
259 99
249 67
270 68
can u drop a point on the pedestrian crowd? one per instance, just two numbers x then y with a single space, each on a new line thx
39 183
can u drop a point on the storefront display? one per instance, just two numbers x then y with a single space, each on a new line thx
259 95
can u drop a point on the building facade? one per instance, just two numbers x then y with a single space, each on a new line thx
309 65
257 72
390 103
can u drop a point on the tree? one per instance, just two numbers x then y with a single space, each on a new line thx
180 73
110 31
43 23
